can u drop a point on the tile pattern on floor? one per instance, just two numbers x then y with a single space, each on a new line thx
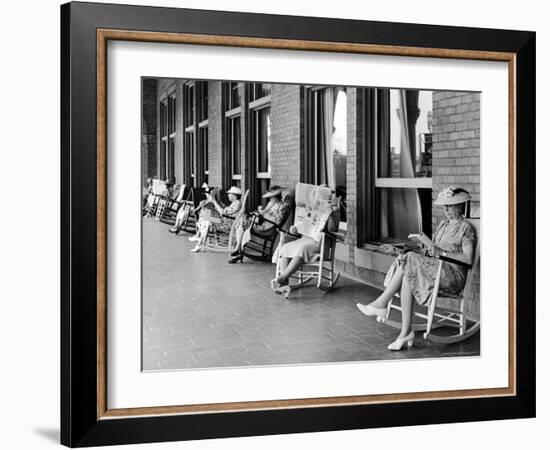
201 312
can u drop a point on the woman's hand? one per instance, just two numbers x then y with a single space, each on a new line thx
293 230
435 251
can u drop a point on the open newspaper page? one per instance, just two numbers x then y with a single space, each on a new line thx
159 186
313 208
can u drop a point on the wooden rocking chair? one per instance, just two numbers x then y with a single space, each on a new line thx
164 201
221 240
193 199
150 207
172 206
261 245
319 268
444 310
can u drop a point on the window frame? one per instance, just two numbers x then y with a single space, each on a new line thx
232 112
255 106
376 132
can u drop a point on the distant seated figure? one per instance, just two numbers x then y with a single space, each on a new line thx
147 191
226 212
168 188
299 251
186 209
263 220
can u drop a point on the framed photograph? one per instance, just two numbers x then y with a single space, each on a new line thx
278 224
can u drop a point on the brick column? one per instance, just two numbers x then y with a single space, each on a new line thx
287 134
178 150
354 165
149 137
455 157
215 135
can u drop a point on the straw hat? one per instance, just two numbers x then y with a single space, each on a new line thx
273 191
453 195
168 182
235 190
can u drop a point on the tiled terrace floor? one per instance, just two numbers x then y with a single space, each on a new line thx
200 312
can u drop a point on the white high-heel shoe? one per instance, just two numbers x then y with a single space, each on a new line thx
399 342
197 249
283 290
369 310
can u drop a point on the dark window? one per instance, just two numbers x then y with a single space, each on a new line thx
260 90
189 157
203 143
232 135
260 139
234 99
400 186
188 105
263 139
203 99
325 159
167 136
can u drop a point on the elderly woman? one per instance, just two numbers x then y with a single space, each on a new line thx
294 253
454 238
227 213
263 223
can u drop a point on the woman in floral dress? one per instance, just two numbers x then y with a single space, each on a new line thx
227 213
454 238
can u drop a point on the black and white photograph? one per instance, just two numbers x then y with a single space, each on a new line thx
288 224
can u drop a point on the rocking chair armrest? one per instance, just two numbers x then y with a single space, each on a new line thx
275 224
288 233
453 261
332 236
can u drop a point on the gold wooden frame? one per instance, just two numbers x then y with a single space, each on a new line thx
104 35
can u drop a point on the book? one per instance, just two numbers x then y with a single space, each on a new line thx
422 239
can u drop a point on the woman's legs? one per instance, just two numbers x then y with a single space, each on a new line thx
406 308
180 219
202 233
288 267
393 286
239 231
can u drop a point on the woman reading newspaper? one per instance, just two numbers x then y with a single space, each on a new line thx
415 273
322 213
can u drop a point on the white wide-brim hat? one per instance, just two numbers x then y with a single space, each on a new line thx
452 195
235 190
273 191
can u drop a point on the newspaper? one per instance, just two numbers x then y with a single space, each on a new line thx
313 208
159 187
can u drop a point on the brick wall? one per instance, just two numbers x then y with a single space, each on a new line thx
456 145
287 127
354 137
215 134
456 151
149 136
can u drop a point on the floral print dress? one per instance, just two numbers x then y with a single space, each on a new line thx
450 236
